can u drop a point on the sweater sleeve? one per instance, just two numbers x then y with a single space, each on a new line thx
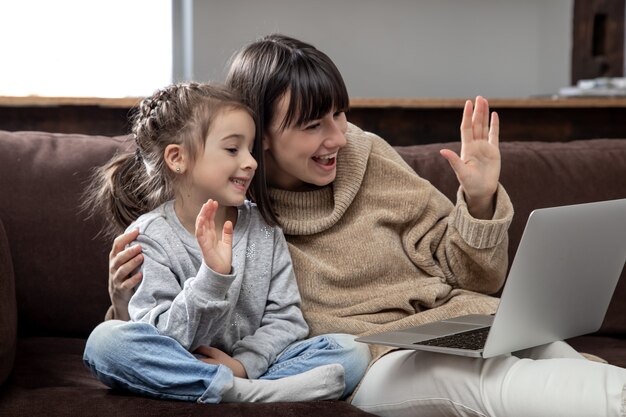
444 239
176 310
282 322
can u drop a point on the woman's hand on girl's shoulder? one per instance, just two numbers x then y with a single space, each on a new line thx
217 253
124 261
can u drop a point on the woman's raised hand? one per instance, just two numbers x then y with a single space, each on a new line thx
217 253
478 167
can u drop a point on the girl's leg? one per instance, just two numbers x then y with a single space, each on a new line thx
405 383
135 357
336 348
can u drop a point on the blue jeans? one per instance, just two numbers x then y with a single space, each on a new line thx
135 357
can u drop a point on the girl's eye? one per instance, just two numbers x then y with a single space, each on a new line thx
312 126
337 113
231 150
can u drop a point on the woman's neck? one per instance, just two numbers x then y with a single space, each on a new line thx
187 212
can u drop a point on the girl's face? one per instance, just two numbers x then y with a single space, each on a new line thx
300 156
224 169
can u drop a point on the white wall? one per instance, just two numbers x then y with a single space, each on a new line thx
403 48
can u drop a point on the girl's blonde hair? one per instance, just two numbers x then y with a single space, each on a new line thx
135 183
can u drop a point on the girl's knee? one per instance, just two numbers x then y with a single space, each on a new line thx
355 359
358 350
112 336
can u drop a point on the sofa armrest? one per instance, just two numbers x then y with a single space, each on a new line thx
8 308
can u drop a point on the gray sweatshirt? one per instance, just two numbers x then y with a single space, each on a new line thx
251 314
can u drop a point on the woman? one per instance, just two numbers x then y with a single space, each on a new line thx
363 227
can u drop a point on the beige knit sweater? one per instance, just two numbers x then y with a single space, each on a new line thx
380 248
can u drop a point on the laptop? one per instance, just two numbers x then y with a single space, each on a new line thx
560 284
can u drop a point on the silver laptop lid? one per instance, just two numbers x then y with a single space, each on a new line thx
568 263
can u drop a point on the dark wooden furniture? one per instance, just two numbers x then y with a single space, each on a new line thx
399 121
598 34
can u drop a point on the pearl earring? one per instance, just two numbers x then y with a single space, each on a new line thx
178 170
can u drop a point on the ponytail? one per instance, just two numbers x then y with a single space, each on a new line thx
122 190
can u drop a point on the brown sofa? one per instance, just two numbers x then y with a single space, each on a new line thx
53 268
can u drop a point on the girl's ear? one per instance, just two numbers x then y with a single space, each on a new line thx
175 158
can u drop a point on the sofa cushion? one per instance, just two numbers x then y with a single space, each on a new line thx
61 271
8 310
50 379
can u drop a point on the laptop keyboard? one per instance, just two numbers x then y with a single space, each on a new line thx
470 340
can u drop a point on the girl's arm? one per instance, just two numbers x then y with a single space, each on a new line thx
177 310
282 323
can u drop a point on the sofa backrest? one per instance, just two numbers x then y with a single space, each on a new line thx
60 265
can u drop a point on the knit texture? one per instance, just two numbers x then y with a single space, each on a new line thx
380 248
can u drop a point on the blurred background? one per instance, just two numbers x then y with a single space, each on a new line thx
391 48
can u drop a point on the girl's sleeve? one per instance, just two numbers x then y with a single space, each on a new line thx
178 311
282 323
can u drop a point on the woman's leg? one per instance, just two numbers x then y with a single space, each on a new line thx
327 349
556 382
135 357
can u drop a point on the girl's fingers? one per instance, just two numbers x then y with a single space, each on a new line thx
227 234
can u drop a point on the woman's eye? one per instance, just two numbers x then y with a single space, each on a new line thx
231 150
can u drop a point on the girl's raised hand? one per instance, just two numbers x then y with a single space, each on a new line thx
478 167
217 253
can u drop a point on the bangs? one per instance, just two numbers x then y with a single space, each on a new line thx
316 89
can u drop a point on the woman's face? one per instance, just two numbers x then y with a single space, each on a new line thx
298 157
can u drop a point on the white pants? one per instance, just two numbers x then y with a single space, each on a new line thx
548 381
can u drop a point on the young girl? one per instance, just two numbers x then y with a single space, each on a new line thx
217 279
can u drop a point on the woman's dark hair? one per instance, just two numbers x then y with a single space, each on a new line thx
264 71
135 183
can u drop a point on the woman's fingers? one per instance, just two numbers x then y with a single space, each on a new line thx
467 133
122 241
477 118
494 130
126 261
485 132
131 282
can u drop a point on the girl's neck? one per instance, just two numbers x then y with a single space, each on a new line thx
187 212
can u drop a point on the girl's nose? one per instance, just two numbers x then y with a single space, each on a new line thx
249 163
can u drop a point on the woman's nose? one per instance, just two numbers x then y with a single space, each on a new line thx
336 137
